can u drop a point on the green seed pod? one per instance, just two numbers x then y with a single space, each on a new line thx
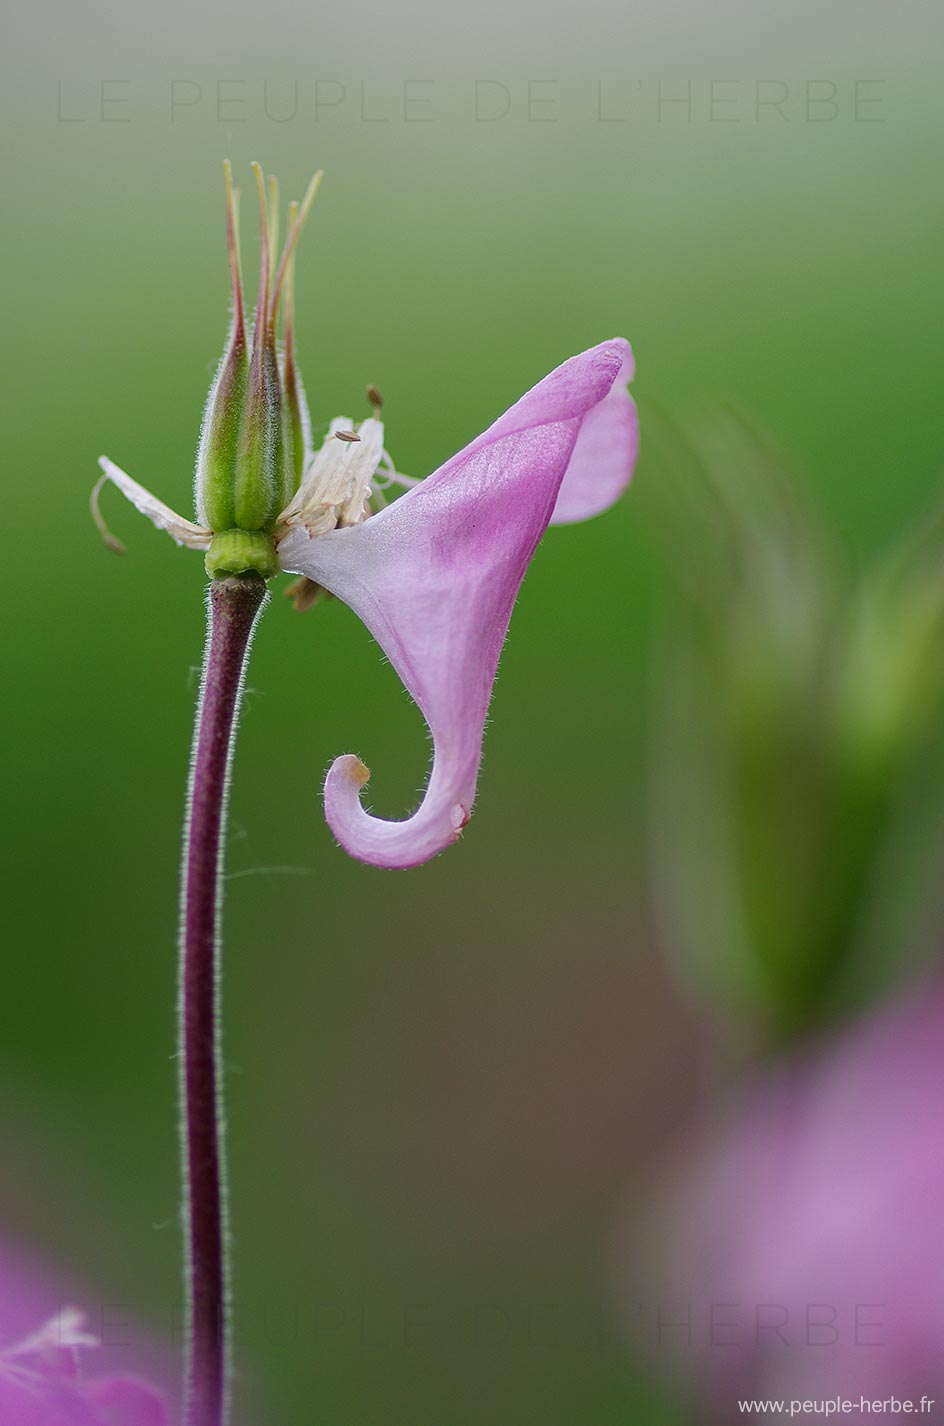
255 436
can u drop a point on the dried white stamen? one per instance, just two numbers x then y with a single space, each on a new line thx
337 486
185 532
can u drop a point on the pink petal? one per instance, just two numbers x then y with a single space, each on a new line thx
602 463
125 1401
435 576
27 1402
36 1397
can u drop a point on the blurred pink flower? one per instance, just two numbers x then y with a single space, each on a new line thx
810 1255
41 1378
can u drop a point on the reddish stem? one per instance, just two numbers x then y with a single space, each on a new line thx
234 607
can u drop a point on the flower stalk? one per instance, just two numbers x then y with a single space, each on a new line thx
234 606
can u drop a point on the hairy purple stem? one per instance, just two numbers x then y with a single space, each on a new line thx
234 604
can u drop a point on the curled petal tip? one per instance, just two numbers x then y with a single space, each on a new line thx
393 846
350 767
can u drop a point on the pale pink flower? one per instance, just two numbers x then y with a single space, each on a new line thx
435 574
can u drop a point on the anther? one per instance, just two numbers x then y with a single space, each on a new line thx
374 397
347 435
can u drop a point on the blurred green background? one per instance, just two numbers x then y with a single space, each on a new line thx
445 1086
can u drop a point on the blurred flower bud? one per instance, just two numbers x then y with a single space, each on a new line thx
890 683
794 709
